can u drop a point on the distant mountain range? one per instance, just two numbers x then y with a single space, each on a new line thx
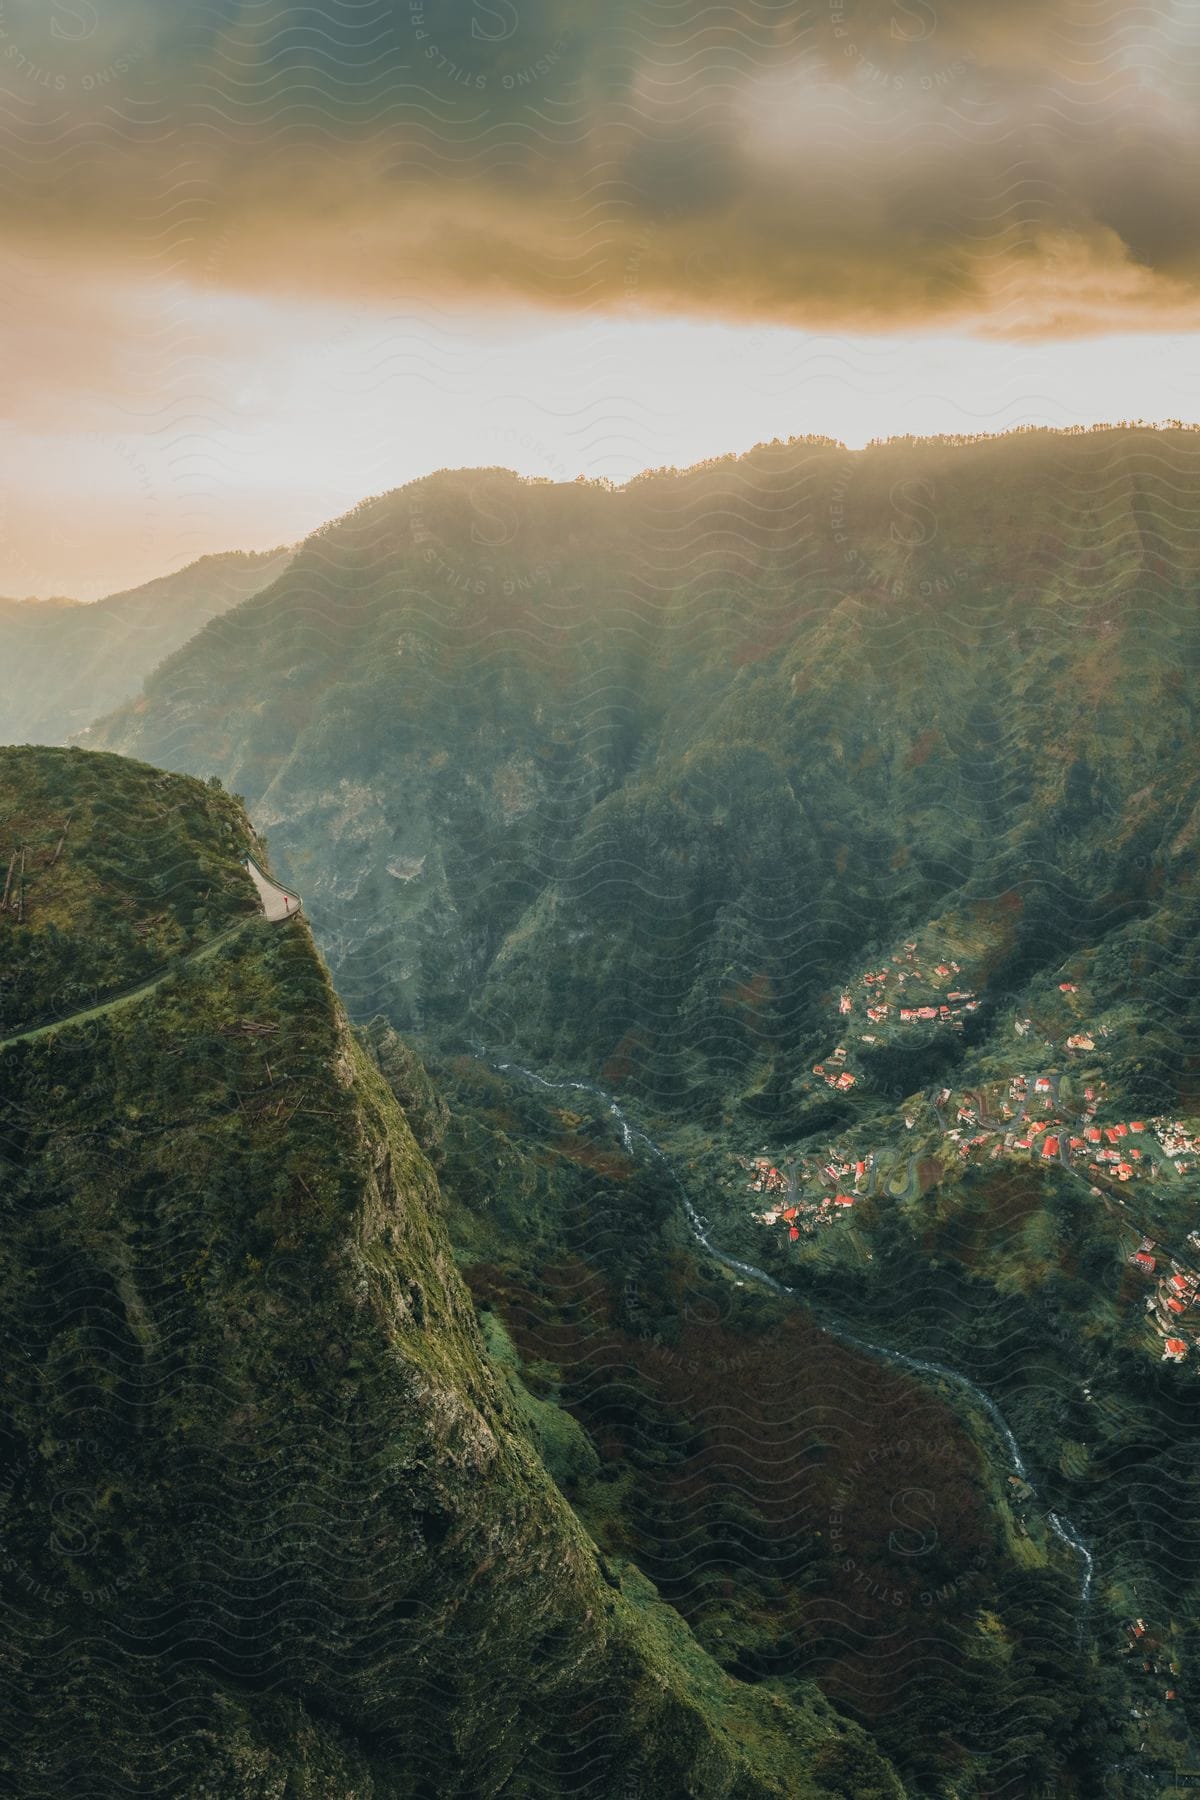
628 776
62 662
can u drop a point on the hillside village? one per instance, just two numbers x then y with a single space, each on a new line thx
920 991
903 993
1040 1119
910 989
1036 1119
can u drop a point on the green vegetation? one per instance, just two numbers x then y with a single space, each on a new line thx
63 663
631 785
811 1515
273 1520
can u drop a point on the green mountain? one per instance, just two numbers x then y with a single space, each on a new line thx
837 810
62 662
273 1513
627 778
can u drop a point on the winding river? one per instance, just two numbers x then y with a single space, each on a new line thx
636 1141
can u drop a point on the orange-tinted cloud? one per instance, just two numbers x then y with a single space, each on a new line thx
1018 168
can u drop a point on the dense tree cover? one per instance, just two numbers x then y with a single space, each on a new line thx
637 772
133 848
809 1513
629 784
273 1516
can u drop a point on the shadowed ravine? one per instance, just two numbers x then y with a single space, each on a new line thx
636 1141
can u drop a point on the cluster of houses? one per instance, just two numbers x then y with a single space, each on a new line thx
766 1179
1100 1149
1018 1119
909 989
794 1205
1177 1142
834 1071
902 980
1144 1645
999 1117
1172 1304
1120 1151
1008 1123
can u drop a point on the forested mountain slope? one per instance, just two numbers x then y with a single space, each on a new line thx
62 662
626 777
272 1519
674 789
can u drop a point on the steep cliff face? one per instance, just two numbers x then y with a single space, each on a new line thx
272 1519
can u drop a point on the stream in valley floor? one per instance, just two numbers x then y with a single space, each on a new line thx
637 1142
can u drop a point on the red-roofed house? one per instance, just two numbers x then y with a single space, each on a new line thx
843 1199
1143 1261
1050 1147
1174 1350
1092 1133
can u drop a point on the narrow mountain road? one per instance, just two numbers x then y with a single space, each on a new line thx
131 995
277 904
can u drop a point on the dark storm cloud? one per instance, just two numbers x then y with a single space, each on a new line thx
1020 167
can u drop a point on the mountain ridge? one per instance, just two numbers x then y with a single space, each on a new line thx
61 658
585 642
643 791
